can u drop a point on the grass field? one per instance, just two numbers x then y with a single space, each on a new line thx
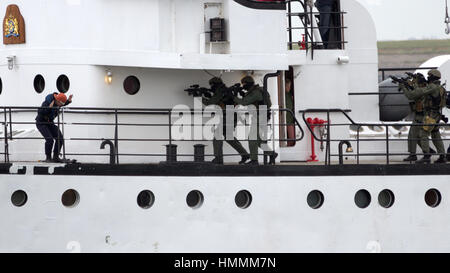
415 47
411 53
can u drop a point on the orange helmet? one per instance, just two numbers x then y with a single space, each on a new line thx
60 97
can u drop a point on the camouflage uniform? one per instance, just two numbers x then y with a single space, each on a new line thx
219 99
254 96
430 95
414 131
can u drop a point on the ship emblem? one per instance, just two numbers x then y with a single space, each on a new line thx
11 27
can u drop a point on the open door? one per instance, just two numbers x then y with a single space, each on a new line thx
286 97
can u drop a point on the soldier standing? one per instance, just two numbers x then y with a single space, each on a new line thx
255 97
219 98
418 115
432 96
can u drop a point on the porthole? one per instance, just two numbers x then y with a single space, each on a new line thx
39 83
194 199
1 85
243 199
433 198
63 83
131 85
386 198
315 199
70 198
19 198
362 199
146 199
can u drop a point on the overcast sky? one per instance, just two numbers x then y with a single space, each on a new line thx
408 19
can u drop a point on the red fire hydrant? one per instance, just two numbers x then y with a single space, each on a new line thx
313 123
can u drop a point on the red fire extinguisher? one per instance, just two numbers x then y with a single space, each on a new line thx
302 44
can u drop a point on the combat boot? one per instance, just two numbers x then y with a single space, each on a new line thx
410 158
252 163
48 159
244 159
56 159
273 157
441 159
425 159
217 160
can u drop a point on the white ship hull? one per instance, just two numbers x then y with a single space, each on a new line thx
107 217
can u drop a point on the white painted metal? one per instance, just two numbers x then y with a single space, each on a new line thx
164 44
108 219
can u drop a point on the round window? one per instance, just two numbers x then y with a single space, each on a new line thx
131 85
19 198
195 199
362 199
243 199
433 198
315 199
70 198
146 199
63 83
39 83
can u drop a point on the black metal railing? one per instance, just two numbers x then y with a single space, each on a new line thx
329 140
8 114
399 69
306 14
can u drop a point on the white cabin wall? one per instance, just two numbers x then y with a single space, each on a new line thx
250 29
363 67
322 83
105 24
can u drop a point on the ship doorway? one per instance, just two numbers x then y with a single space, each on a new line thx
286 97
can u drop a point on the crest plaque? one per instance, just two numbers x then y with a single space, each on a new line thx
13 26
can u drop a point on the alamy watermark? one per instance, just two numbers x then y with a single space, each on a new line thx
214 122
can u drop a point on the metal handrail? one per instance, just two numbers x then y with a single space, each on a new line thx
386 138
308 28
117 111
384 70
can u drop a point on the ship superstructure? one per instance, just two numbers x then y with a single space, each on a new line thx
139 186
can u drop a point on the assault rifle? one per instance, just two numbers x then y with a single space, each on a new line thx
404 81
231 92
197 91
419 78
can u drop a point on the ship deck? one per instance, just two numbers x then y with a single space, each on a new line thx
369 168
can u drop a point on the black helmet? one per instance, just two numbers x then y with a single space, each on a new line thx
247 80
215 81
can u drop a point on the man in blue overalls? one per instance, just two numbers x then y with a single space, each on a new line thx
46 125
325 8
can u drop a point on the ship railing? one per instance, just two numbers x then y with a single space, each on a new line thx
400 69
8 122
359 139
299 9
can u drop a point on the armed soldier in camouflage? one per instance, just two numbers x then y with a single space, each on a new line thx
432 96
255 97
418 81
220 98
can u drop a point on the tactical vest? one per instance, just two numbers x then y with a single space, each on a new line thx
267 102
438 102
